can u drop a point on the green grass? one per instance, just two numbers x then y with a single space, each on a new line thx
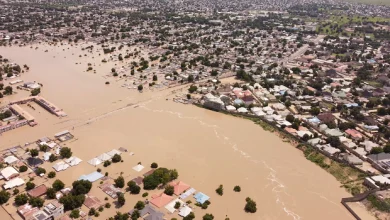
372 2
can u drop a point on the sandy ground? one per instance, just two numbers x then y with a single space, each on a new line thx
207 148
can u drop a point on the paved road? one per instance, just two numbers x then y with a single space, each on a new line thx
301 50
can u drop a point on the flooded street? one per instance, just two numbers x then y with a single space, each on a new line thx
207 148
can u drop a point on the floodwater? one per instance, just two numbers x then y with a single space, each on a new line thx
207 148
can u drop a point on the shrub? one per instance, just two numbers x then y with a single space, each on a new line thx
250 205
23 168
30 185
99 170
58 185
154 165
190 216
107 205
101 209
52 174
121 199
145 194
116 158
219 190
92 211
237 189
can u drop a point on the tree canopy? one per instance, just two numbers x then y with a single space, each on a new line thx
159 176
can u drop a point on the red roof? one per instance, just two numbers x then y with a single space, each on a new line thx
354 133
38 191
179 187
161 200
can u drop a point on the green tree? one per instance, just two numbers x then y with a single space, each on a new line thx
133 187
386 149
334 141
376 150
23 168
8 90
43 147
208 217
120 216
116 158
154 165
51 193
40 171
51 174
75 213
34 152
315 110
237 189
35 92
71 201
139 205
119 182
53 158
219 190
30 185
66 152
190 216
21 199
154 77
4 197
81 187
36 202
121 199
135 215
250 205
58 185
192 89
177 205
140 88
169 190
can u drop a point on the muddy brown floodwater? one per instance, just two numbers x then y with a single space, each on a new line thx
207 148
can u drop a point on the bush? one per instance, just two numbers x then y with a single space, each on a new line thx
139 205
21 199
140 88
154 165
169 190
219 190
52 174
58 185
30 185
43 147
75 214
250 205
99 170
133 187
107 205
237 189
16 191
23 168
116 158
190 216
145 194
119 182
51 193
101 209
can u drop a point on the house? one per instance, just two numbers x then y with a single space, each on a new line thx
9 173
161 200
54 209
149 213
354 134
37 191
26 211
179 187
201 197
352 159
368 145
326 117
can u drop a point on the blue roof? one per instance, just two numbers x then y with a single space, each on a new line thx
238 101
201 197
314 120
349 105
92 177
